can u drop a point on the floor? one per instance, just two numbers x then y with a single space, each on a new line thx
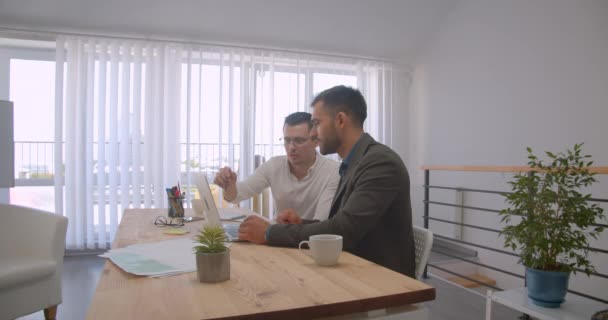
81 273
456 303
79 280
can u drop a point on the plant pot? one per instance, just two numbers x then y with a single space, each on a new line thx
213 267
547 288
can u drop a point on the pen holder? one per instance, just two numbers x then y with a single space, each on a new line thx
176 206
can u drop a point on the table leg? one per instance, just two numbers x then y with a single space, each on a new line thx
489 305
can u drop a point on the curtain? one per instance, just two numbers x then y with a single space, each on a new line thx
135 117
118 117
239 98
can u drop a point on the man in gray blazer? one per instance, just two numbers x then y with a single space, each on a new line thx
371 208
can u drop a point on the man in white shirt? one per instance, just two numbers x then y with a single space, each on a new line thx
302 181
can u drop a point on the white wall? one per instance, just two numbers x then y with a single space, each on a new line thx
503 75
339 26
401 108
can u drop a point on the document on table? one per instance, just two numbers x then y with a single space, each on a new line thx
155 259
139 265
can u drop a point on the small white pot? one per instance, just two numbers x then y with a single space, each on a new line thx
213 267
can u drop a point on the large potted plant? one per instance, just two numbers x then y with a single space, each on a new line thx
212 255
550 221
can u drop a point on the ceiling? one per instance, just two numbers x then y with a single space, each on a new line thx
390 29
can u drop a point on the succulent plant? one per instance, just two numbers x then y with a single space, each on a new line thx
212 239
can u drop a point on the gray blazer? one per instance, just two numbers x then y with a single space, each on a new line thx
371 210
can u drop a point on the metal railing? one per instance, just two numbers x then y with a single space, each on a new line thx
428 217
34 160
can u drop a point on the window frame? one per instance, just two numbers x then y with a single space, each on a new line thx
8 52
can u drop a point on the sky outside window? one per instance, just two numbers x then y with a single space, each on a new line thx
32 90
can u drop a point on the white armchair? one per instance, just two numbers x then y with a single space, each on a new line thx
32 244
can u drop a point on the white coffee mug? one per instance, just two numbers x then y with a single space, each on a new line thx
325 249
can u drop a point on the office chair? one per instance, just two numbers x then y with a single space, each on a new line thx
423 241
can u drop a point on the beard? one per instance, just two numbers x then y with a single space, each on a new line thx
329 144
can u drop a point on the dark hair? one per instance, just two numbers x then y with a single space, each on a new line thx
298 118
344 99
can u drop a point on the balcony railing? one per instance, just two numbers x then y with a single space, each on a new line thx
489 230
34 160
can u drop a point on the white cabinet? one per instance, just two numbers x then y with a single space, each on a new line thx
574 308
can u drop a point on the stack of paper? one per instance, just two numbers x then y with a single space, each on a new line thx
156 259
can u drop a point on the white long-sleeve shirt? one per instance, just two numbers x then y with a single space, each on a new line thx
311 197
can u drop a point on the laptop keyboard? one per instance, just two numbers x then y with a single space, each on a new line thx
232 230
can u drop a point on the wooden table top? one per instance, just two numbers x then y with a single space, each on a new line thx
266 283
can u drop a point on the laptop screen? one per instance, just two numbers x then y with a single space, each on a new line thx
211 213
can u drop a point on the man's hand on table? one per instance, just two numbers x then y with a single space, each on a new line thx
253 229
289 216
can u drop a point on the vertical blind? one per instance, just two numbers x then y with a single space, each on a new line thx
135 117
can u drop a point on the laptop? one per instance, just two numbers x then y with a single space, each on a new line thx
210 210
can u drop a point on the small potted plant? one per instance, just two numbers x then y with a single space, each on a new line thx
212 255
550 221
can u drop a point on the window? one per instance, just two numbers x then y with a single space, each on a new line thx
210 124
215 136
198 110
31 87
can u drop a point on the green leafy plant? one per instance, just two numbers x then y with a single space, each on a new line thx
212 239
556 219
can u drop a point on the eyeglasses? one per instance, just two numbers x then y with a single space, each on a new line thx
296 141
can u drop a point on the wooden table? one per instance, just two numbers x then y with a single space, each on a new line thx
266 283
